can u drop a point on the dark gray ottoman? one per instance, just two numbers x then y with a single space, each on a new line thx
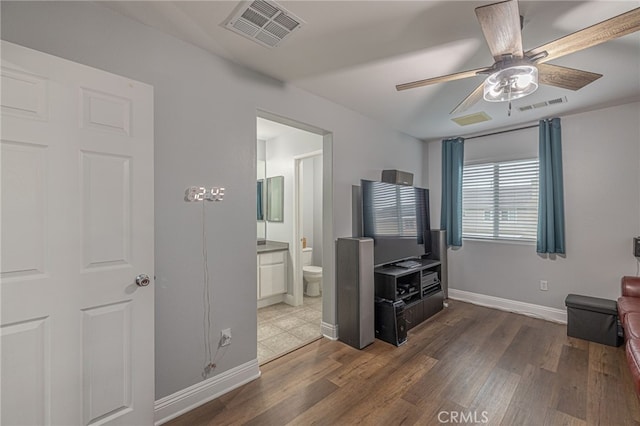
593 319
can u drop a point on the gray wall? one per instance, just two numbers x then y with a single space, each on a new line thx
205 134
601 156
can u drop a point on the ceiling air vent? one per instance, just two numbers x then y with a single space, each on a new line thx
477 117
264 22
543 104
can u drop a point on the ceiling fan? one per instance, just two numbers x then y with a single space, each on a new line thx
516 73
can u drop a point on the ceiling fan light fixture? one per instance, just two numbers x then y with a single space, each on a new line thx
511 83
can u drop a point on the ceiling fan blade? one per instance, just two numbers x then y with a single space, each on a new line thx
470 100
441 79
610 29
500 24
566 78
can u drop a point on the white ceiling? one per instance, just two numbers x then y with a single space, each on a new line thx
355 52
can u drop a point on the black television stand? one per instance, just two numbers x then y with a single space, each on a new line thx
417 291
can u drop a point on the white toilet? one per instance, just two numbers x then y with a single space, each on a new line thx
312 274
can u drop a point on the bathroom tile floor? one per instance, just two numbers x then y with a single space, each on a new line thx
283 328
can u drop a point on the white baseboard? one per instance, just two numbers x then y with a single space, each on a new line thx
176 404
528 309
330 331
271 300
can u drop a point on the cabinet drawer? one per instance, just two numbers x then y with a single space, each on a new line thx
272 258
432 304
413 314
272 280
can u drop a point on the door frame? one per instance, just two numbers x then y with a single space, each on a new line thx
298 222
329 317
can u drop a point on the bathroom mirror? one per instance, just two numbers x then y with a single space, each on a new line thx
275 199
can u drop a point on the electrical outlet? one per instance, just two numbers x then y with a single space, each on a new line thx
544 285
225 337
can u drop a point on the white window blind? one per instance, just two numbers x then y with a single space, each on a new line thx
394 210
500 200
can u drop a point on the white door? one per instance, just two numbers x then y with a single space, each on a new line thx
77 228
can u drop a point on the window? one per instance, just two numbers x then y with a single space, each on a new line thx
500 200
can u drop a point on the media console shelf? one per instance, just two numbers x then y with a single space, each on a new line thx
419 288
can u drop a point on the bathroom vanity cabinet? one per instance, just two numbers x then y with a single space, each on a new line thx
272 273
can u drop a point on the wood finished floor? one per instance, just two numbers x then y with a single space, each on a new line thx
467 360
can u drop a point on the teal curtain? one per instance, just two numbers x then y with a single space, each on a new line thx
451 207
551 201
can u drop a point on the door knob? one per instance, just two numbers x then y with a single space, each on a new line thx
143 280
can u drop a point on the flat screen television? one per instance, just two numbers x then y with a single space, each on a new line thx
397 218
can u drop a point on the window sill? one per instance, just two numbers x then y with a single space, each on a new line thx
500 241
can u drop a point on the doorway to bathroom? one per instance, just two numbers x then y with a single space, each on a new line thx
292 153
308 223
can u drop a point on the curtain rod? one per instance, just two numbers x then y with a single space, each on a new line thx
503 131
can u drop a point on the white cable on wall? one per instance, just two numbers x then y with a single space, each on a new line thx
195 193
206 300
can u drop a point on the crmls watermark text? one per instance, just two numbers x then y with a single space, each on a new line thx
463 417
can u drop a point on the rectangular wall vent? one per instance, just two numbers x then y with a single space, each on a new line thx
263 21
543 104
475 118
